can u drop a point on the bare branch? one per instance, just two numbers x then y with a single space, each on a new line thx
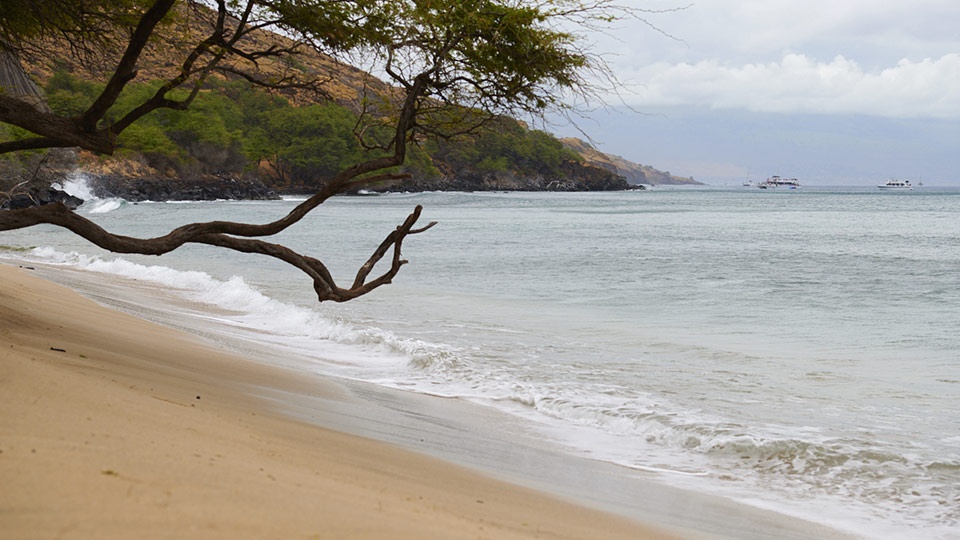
323 283
54 131
455 68
12 192
126 69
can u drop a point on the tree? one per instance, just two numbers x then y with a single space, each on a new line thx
454 63
312 141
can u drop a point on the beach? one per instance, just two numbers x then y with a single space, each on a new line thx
722 377
114 427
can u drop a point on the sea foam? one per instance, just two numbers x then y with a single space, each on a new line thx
77 184
747 382
241 311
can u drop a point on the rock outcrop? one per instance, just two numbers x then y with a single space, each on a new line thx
177 189
132 179
574 177
40 197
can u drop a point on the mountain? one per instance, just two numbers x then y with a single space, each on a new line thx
634 173
497 161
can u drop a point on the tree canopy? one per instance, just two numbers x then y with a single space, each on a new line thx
453 65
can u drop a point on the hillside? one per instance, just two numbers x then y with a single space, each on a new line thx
634 173
343 83
195 151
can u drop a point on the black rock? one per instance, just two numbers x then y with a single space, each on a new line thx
40 198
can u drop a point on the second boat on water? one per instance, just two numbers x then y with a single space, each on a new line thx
896 184
778 182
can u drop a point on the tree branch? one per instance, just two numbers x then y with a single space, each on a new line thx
494 56
323 283
126 69
55 131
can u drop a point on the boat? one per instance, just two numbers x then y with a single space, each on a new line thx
775 182
896 184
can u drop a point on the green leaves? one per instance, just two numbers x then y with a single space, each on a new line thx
506 146
312 142
457 64
87 24
70 96
496 55
233 125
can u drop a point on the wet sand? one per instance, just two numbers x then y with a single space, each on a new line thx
114 427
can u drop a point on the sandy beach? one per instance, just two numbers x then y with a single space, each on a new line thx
114 427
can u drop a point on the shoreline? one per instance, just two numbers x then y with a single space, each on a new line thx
116 427
272 405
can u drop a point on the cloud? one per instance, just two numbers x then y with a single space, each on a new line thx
928 88
872 32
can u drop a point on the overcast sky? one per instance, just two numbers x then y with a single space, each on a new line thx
884 57
890 64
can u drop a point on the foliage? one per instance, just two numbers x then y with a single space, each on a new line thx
488 56
234 125
87 24
68 95
230 126
316 141
501 56
505 146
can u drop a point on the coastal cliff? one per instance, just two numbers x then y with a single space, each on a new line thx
222 149
634 173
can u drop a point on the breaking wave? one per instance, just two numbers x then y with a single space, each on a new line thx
77 184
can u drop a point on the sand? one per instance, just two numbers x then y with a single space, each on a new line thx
113 427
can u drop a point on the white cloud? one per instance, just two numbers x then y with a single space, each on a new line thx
872 32
800 84
883 77
889 57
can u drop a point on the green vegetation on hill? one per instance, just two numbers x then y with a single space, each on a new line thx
505 146
231 128
237 129
292 139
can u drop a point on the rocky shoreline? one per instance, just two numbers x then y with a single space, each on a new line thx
225 187
175 189
576 177
138 189
40 198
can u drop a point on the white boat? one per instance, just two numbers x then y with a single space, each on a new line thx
896 184
775 182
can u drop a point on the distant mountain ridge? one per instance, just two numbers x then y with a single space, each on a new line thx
634 173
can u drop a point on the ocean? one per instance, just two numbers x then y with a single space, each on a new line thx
797 351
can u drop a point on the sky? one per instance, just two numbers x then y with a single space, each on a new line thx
833 92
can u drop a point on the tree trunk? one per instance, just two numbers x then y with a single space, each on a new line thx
15 82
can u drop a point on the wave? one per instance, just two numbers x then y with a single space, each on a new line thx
805 466
77 184
604 420
348 348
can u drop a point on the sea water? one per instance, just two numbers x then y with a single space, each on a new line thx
798 351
